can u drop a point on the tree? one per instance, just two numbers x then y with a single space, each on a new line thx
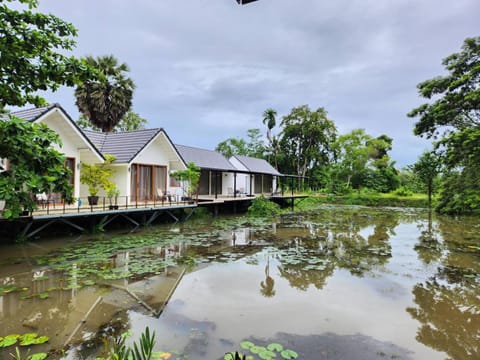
190 178
255 144
32 58
131 121
269 119
35 167
351 154
452 118
106 99
32 48
307 140
232 146
427 169
254 147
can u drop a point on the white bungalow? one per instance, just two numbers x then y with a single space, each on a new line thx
257 176
214 167
144 162
76 147
237 176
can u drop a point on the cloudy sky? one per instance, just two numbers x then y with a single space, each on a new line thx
205 70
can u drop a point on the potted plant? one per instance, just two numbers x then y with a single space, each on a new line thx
112 192
96 177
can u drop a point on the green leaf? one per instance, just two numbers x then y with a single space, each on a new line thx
267 355
27 339
246 344
38 356
40 340
275 347
289 354
9 340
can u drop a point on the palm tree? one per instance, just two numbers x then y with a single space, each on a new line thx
106 99
269 119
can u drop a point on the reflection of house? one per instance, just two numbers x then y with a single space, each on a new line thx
260 176
214 169
76 147
144 159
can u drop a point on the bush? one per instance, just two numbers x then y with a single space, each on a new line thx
403 191
263 207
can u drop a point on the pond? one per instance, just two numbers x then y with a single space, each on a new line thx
334 283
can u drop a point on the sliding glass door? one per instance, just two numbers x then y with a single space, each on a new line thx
147 182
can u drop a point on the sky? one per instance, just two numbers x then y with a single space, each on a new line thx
205 70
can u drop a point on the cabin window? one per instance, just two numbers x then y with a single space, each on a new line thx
147 181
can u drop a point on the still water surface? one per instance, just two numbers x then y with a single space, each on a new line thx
335 283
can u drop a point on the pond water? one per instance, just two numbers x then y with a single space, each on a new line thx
334 283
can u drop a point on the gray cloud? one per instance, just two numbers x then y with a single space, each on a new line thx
206 69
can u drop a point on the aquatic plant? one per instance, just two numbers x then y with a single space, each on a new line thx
115 348
261 206
268 352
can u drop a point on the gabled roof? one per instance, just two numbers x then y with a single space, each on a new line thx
35 113
255 165
205 159
125 146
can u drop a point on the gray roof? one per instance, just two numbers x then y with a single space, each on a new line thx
34 113
255 165
205 159
123 145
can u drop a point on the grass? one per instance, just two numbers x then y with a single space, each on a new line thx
368 199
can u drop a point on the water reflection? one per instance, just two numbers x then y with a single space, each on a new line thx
447 304
252 272
267 285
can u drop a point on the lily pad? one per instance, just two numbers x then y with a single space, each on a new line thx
246 344
9 340
289 354
267 355
275 347
27 339
38 356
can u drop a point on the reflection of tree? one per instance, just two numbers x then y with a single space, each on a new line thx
267 286
337 241
428 248
449 317
301 279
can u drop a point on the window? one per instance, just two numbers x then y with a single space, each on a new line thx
147 181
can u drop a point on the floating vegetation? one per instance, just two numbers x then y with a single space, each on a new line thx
23 340
269 352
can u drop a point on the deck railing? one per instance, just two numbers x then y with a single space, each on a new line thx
84 205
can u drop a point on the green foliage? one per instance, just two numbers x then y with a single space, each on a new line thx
106 99
24 340
254 147
32 48
403 191
261 206
460 193
190 177
307 140
131 121
97 176
269 352
452 117
427 169
115 348
34 165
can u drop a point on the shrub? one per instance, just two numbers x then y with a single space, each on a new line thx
263 207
